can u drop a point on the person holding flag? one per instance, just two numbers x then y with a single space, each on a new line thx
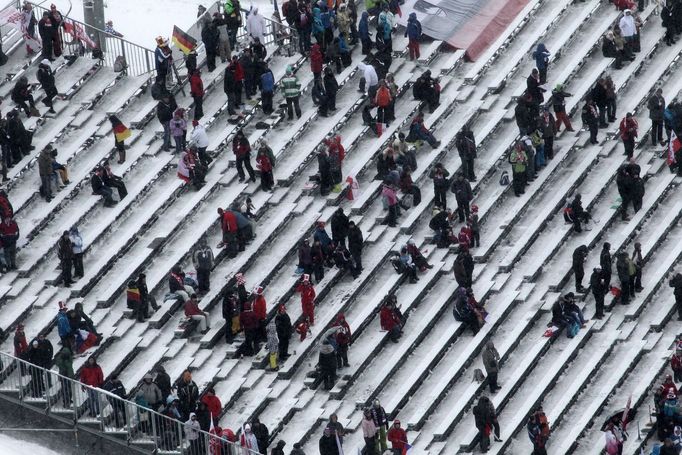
398 438
121 133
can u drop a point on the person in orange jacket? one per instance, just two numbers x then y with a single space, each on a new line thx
307 291
383 100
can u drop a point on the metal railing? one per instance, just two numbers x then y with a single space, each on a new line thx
139 59
97 411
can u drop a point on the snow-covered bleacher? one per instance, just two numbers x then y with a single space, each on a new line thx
425 379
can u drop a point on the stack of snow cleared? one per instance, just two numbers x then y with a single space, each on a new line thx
426 378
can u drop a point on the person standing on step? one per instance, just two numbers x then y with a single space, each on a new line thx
63 360
466 147
485 419
413 32
210 37
541 56
547 128
624 183
628 133
381 422
639 264
369 432
355 244
579 258
559 105
343 340
9 234
590 118
197 92
599 290
624 277
307 291
538 431
598 95
291 88
46 78
121 133
441 182
605 264
242 152
77 246
178 129
491 362
638 191
203 263
187 393
21 95
656 105
65 255
45 31
164 113
267 89
463 195
340 225
676 284
91 375
284 332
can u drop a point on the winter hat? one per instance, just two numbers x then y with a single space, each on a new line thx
289 70
474 208
258 290
306 278
147 376
247 427
195 122
240 279
62 306
35 343
45 62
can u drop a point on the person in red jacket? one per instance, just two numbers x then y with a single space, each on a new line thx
265 165
193 312
196 86
307 292
242 152
343 340
20 343
238 71
669 386
391 319
249 322
9 234
228 224
213 404
628 132
303 328
261 309
91 374
676 365
316 60
398 438
383 100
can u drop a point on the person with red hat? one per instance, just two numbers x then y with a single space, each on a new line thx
307 291
284 331
398 438
343 340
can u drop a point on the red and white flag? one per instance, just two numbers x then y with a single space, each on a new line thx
78 32
353 188
673 147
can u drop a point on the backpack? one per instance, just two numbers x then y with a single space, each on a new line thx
504 178
120 64
572 329
397 264
157 91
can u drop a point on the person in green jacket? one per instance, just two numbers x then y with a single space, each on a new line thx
63 359
518 159
291 88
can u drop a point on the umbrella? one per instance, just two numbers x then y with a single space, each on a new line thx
617 418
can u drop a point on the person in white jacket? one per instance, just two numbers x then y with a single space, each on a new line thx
77 248
255 24
369 79
200 139
192 434
628 28
248 441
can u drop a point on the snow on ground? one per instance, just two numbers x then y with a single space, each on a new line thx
142 21
11 446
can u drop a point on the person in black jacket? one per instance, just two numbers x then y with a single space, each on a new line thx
330 88
425 88
441 182
65 255
19 139
355 242
46 78
284 331
598 95
625 186
590 118
115 386
188 394
559 96
624 277
210 36
485 420
260 431
327 444
463 195
579 257
676 284
114 181
605 264
164 112
21 94
340 225
668 22
99 187
578 213
230 87
637 192
163 382
466 147
599 290
534 88
523 114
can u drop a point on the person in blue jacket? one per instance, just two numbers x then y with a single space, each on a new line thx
267 89
414 33
327 17
63 326
541 56
363 31
318 27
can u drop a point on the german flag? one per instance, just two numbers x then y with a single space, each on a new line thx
121 132
184 42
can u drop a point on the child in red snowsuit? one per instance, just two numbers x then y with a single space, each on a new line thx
307 292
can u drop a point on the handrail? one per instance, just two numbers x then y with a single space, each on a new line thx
139 59
100 412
